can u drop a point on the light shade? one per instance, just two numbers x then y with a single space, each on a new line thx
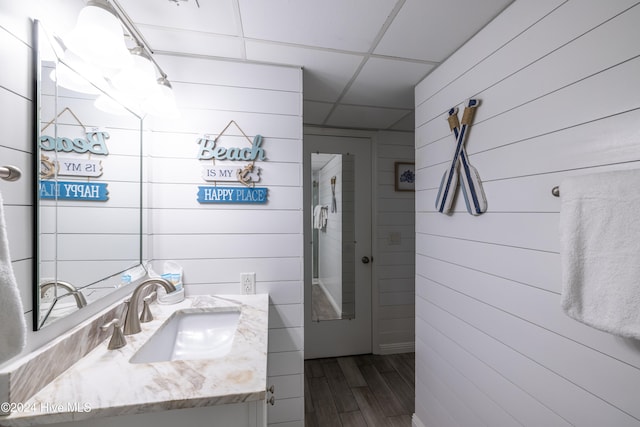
162 102
138 79
74 74
108 105
98 38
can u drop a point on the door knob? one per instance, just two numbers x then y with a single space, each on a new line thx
365 260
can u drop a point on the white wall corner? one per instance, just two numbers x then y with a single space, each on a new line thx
415 421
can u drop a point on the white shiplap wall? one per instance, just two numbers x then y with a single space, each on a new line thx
215 243
394 246
558 84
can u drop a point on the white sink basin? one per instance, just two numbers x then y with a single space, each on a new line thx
189 335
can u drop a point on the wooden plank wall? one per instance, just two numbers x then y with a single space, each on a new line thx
558 84
214 243
394 244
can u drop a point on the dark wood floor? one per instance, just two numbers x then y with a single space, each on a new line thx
367 391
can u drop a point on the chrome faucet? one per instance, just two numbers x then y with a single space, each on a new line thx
79 297
131 321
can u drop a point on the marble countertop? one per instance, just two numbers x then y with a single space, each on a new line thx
104 382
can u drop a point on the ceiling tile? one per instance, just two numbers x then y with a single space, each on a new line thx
356 116
325 73
189 42
315 113
431 30
346 25
213 16
386 83
329 40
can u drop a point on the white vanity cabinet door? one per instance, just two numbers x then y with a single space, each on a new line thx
249 414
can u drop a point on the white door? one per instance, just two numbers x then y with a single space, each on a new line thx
337 203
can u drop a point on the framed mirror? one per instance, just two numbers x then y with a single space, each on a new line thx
333 236
88 195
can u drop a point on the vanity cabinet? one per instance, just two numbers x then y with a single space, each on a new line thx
110 388
249 414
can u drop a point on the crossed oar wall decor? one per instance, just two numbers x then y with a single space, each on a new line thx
469 179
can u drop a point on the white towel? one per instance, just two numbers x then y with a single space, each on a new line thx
600 250
320 216
12 323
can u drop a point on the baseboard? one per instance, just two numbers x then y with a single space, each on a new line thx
415 421
399 347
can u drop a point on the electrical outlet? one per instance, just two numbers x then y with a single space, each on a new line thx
248 283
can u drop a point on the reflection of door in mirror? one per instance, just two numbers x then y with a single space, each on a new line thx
333 249
88 187
337 301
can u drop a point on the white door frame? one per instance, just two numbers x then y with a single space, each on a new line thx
371 136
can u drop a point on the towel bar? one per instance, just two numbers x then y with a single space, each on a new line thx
556 191
10 173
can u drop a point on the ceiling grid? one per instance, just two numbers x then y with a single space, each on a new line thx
361 59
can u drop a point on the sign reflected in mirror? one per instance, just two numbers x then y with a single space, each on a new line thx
88 190
333 245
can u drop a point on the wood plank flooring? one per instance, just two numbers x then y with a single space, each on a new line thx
360 391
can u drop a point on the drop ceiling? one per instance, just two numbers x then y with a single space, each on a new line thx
361 58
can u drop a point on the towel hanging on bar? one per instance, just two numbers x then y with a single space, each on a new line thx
599 250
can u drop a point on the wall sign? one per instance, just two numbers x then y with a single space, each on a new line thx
73 190
246 175
77 167
215 194
211 148
94 143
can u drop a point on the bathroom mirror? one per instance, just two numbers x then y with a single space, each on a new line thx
333 238
88 191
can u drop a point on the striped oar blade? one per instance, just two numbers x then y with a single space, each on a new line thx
472 189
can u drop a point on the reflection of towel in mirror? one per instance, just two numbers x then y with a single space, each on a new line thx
320 215
12 323
600 250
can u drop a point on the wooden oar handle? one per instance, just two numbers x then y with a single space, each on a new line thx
469 112
453 120
467 116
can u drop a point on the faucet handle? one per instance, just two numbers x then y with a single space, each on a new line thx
146 315
117 339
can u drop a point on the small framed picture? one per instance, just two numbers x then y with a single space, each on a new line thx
405 176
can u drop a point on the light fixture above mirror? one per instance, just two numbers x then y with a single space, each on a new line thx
99 44
98 38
